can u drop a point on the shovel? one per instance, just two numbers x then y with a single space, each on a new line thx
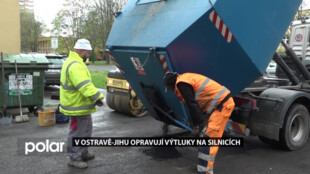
21 117
4 119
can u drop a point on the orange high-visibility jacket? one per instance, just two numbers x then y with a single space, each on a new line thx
208 92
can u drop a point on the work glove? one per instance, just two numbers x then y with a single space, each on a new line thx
99 102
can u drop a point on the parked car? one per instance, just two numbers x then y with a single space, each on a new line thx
52 75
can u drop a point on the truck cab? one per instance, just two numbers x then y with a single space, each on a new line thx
300 40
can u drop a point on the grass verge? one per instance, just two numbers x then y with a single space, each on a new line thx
99 63
99 78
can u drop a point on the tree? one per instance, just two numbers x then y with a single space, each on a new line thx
90 19
104 10
31 30
69 22
62 31
301 11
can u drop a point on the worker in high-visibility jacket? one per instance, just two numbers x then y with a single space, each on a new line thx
78 98
203 95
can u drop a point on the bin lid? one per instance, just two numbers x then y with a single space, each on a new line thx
25 59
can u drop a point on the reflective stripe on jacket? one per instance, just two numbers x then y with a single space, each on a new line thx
208 92
77 93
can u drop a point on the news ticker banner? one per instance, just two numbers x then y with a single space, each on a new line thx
48 146
157 141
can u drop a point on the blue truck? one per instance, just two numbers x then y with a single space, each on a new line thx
230 41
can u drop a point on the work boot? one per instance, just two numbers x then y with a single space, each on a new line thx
78 164
87 156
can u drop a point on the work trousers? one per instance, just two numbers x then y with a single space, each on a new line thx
80 126
215 128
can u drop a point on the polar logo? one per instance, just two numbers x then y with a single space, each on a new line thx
46 146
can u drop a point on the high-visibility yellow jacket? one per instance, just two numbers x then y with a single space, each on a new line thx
77 93
208 92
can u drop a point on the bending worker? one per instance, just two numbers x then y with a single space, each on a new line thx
203 95
78 98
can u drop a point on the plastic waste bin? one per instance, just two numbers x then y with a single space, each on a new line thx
30 78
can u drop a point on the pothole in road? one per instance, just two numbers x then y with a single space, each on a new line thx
162 153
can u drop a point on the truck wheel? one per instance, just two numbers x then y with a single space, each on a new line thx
295 131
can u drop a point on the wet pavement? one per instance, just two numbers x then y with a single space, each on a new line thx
253 158
107 123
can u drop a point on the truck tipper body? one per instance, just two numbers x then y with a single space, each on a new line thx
229 41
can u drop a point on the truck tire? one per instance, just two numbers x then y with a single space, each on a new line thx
295 131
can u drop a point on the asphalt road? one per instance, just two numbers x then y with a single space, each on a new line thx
253 158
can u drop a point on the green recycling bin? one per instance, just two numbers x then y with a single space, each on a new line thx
31 69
